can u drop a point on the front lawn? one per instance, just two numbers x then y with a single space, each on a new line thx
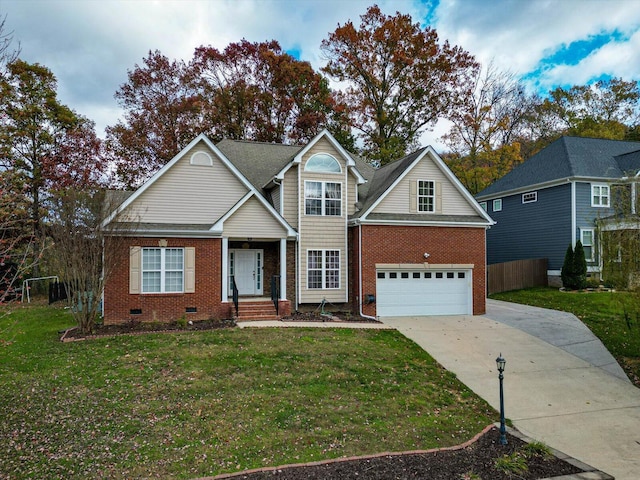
614 317
183 405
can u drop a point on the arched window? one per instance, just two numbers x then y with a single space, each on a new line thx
201 158
322 162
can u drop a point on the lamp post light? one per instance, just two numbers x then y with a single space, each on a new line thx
500 363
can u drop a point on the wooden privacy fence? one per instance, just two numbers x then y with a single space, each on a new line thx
516 275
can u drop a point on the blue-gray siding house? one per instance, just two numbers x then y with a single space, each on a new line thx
555 198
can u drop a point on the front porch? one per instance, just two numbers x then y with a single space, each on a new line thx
254 274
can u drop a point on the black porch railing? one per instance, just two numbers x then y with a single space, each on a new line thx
234 289
275 291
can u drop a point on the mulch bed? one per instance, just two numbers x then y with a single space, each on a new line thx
477 459
135 327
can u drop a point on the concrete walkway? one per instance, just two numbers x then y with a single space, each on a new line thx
551 394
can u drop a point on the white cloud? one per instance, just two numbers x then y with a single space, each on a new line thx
90 45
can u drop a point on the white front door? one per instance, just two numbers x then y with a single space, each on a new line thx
246 268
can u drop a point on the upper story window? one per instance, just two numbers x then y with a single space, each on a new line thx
201 158
600 196
322 163
530 197
426 196
162 270
484 205
323 198
497 205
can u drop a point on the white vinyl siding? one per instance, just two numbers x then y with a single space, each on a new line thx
323 198
324 232
189 194
253 220
289 190
398 200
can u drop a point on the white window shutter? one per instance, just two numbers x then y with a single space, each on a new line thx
135 262
189 270
413 196
438 192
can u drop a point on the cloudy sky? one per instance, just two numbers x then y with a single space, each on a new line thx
91 44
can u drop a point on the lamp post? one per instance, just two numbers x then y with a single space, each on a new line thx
500 363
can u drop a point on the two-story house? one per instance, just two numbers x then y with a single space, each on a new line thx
221 225
561 195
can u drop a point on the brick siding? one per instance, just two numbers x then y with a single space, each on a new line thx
403 244
119 303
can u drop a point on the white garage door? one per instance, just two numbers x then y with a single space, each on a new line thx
402 293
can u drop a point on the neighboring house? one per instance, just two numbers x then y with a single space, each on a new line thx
561 195
305 225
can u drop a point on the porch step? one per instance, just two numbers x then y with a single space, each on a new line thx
257 310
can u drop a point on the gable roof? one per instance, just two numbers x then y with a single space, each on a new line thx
386 178
566 158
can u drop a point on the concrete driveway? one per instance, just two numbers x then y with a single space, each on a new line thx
560 384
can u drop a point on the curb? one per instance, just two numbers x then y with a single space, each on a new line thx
589 473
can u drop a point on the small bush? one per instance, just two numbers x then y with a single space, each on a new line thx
516 463
537 449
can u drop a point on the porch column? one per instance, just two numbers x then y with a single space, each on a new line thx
225 269
283 269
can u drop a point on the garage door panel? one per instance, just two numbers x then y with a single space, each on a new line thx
423 293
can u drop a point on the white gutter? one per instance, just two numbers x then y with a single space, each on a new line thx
360 274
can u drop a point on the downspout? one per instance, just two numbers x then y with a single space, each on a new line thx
573 214
360 273
300 200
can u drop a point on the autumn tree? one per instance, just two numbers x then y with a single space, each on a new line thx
400 79
605 109
256 91
161 117
485 127
37 135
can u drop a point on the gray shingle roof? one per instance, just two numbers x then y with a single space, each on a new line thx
384 177
258 161
565 158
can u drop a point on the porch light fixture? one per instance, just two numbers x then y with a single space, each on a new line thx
500 363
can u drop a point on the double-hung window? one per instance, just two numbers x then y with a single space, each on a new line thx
323 198
600 195
323 269
162 270
426 196
586 238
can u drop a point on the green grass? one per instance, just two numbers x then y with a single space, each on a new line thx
614 317
184 405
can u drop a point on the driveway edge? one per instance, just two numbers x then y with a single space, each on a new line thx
588 472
